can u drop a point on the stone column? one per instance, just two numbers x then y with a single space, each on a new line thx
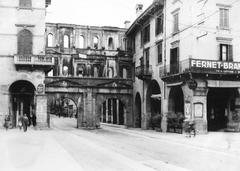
41 110
106 111
117 106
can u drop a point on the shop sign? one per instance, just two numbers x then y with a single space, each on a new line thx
192 84
40 88
198 110
217 66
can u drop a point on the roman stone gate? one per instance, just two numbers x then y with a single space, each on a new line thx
91 100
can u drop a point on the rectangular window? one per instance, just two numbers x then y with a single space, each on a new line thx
159 24
175 23
146 34
174 60
146 57
224 18
226 52
159 52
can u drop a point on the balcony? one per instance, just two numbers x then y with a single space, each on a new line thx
33 61
201 67
144 72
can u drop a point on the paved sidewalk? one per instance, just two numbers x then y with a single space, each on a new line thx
225 142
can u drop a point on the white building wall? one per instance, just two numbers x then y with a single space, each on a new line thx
12 20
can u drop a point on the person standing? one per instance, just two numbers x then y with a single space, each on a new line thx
25 122
34 123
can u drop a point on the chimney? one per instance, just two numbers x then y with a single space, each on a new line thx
139 9
127 24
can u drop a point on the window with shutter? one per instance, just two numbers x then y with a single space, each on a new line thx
224 18
159 24
175 23
159 52
25 3
25 42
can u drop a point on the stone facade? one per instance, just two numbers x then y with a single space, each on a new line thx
93 71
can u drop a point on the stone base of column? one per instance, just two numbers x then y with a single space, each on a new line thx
41 111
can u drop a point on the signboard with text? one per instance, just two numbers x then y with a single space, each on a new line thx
215 66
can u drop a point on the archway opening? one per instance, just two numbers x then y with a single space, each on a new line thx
21 100
63 111
222 104
176 100
138 111
153 101
112 112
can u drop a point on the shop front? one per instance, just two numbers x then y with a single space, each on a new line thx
208 93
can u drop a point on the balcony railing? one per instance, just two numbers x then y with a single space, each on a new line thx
144 72
200 66
41 60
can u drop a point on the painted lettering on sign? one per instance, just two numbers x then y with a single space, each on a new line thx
218 65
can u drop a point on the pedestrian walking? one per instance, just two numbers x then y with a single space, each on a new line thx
34 118
6 122
20 122
25 122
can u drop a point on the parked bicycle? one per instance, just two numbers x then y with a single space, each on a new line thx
190 127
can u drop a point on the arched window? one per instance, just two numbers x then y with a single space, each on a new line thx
25 3
81 42
50 40
65 70
95 42
25 42
124 73
110 73
50 73
110 44
95 74
66 41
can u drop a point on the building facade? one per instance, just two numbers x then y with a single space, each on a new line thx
201 71
191 69
23 59
92 75
145 41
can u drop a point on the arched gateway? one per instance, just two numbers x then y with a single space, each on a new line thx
21 99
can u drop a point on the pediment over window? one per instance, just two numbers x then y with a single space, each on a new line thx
114 84
64 83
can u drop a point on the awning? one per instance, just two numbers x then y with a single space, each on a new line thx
156 96
174 84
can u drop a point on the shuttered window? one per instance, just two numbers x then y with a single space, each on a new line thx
175 23
24 42
159 24
159 52
25 3
224 18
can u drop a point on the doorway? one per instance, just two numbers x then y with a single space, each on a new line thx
220 103
21 100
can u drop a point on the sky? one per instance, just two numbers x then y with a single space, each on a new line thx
94 12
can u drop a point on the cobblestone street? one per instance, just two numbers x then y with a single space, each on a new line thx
64 147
